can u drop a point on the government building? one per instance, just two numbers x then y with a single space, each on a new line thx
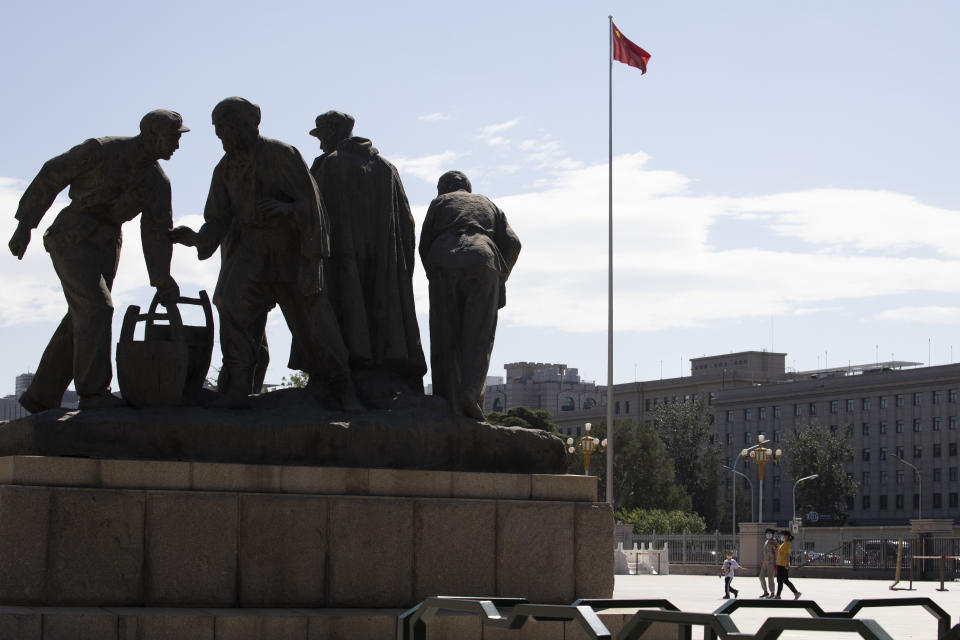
888 410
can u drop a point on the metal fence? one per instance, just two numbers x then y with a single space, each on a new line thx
701 548
881 553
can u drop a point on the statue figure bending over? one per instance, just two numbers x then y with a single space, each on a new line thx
111 181
370 272
266 216
468 251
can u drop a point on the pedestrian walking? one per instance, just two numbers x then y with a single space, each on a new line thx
768 563
783 564
727 572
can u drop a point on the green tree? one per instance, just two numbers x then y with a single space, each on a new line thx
297 379
523 417
813 448
643 474
661 521
686 429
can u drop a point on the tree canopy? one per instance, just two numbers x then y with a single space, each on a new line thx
661 521
686 429
813 448
643 469
523 417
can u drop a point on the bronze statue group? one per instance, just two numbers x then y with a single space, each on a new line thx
334 246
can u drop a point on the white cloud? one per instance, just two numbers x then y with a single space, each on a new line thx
491 134
434 117
922 315
427 168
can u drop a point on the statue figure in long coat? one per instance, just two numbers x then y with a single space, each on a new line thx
370 271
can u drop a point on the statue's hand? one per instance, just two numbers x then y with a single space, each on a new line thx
183 235
19 241
268 208
169 292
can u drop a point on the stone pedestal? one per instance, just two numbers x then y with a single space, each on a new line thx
751 545
82 532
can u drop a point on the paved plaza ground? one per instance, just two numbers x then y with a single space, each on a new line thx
705 594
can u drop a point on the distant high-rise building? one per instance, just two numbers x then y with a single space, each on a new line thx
23 381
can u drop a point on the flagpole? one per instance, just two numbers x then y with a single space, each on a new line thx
610 277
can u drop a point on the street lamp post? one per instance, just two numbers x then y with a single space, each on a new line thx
733 498
813 477
761 455
587 445
745 477
919 488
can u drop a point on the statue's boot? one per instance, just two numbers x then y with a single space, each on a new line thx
236 395
346 393
470 408
105 400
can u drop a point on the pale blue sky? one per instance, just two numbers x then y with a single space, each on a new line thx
791 163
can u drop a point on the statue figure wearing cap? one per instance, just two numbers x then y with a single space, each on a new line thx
468 251
265 214
111 181
370 272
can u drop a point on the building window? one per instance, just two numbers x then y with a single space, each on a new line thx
883 402
916 425
865 404
776 483
937 397
746 437
937 422
899 400
729 438
953 422
917 451
936 451
616 407
834 406
952 474
899 426
865 428
952 449
776 436
884 476
646 404
899 478
849 406
866 479
797 411
883 453
729 415
812 409
763 413
952 395
747 414
916 398
952 500
916 500
776 505
590 403
865 454
865 502
569 405
626 406
937 474
711 397
937 500
498 404
883 427
898 500
776 412
883 503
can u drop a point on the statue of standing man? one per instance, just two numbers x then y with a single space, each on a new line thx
468 251
267 218
111 181
370 271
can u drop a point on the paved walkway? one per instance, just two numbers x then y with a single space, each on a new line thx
705 594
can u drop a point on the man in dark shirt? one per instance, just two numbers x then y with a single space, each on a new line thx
265 214
468 251
111 181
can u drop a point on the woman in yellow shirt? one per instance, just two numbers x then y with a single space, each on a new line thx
783 564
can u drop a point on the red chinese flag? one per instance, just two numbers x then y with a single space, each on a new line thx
628 53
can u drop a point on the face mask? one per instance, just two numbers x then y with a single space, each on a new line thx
769 536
